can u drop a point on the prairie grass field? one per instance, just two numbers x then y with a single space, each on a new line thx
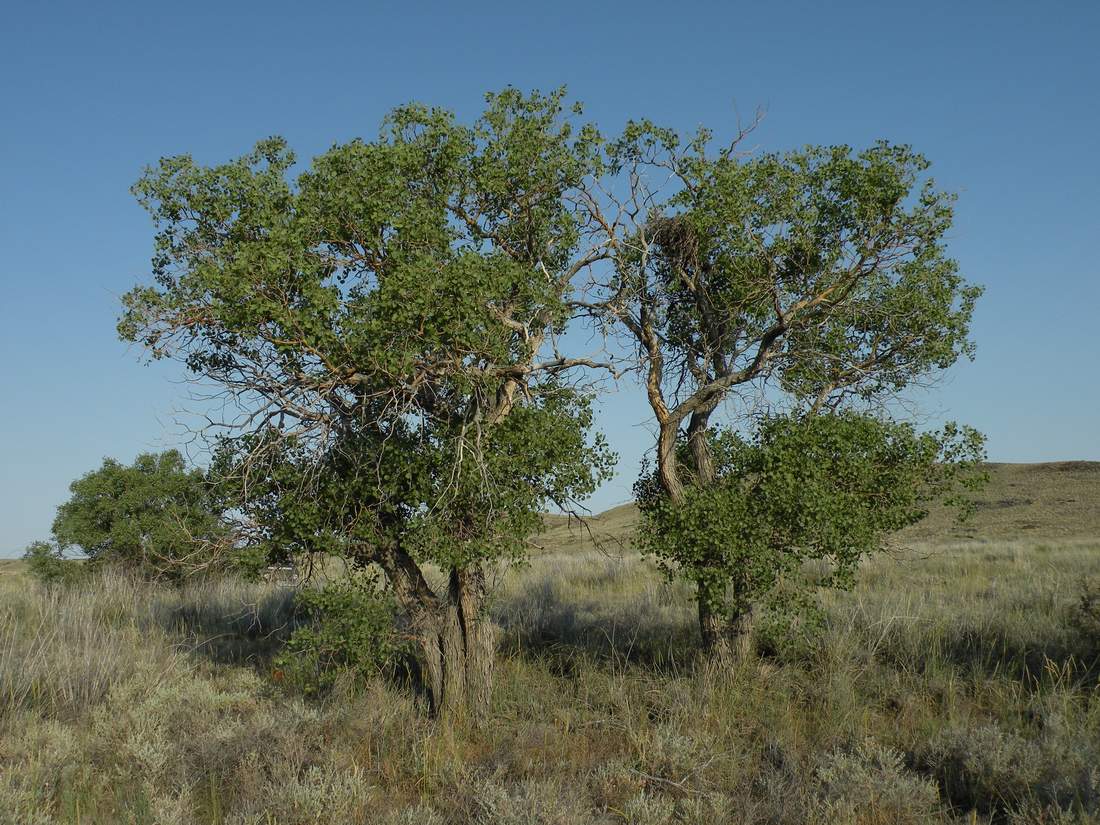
959 681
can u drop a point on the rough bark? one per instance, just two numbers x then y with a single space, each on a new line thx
727 638
716 641
456 639
458 646
701 456
667 468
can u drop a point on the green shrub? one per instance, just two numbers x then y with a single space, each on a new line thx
348 629
1085 616
790 636
997 771
47 564
1050 815
249 563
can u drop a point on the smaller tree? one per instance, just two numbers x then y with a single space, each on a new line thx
156 517
827 488
47 563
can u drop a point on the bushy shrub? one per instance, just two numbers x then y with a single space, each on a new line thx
47 563
998 771
1085 616
249 563
348 628
871 781
790 635
528 802
1050 815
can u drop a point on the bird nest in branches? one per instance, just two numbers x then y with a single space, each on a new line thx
677 240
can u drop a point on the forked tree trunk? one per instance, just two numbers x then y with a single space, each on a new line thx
726 638
458 648
456 639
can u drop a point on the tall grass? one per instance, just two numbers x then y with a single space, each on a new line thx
61 651
954 684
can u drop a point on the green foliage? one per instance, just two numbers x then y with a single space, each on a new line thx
349 629
791 626
828 489
249 562
993 770
384 315
1085 615
829 262
47 563
368 490
388 321
817 279
870 775
380 260
155 517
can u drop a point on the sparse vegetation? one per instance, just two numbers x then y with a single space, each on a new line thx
955 683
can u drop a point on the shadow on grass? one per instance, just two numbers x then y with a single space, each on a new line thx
567 634
1025 654
231 628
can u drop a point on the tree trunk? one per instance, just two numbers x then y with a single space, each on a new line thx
458 646
667 469
456 640
700 447
726 638
716 641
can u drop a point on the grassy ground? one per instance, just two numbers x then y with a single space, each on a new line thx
959 682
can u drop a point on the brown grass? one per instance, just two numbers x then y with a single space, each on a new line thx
959 682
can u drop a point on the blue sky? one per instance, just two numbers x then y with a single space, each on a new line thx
1003 97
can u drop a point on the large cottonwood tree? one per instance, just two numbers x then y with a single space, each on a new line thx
815 281
384 325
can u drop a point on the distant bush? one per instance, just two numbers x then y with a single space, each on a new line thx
47 563
348 629
157 518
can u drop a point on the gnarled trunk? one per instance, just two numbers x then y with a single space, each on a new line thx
727 638
456 639
458 648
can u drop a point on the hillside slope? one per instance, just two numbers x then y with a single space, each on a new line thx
1054 500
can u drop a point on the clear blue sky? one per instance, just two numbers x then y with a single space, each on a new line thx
1003 97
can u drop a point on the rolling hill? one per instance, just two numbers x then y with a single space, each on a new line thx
1056 500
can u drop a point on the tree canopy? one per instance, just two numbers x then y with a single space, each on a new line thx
388 325
157 516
